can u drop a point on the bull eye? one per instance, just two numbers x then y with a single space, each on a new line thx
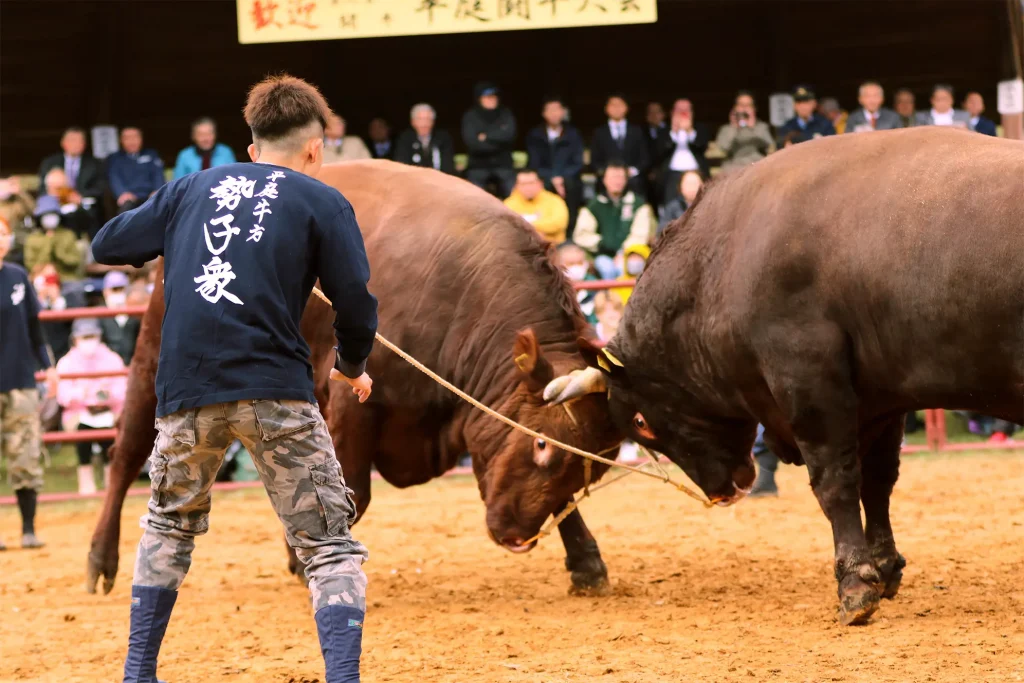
641 426
541 444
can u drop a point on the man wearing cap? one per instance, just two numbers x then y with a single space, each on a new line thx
489 131
121 331
806 125
23 351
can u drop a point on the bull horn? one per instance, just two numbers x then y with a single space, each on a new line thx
574 385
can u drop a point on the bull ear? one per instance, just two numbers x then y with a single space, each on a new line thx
598 356
534 368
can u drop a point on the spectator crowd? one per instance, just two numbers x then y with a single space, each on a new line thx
602 201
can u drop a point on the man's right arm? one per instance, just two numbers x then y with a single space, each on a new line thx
344 273
136 236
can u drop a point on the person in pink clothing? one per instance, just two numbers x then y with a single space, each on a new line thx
90 403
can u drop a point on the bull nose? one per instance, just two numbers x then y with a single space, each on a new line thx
743 476
514 544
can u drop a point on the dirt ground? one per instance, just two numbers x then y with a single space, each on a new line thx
740 594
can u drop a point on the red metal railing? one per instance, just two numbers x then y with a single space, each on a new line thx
935 420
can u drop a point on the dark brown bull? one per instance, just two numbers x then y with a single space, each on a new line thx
466 287
825 292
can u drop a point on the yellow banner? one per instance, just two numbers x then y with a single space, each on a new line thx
276 21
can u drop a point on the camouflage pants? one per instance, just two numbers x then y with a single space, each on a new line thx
294 455
20 438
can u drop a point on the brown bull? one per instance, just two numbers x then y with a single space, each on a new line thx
466 287
825 292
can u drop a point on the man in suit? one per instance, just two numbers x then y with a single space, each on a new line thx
84 173
620 142
975 106
683 150
942 112
904 104
134 173
556 152
872 115
381 146
807 124
423 145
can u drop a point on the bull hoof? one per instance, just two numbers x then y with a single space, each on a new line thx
858 600
99 566
589 576
891 569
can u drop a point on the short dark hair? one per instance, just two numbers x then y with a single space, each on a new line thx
904 91
73 129
616 164
129 126
279 105
528 170
203 120
619 94
743 93
942 86
550 99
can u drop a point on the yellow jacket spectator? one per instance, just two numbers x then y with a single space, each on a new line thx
636 256
544 210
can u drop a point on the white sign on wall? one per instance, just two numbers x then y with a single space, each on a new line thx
104 141
1011 97
780 108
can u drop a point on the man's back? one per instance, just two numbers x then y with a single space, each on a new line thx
243 245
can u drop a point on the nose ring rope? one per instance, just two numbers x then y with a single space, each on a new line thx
589 458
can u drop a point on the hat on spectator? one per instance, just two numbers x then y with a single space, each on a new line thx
86 327
802 93
486 88
47 204
115 279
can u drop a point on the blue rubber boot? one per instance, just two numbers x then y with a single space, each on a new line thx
151 611
341 640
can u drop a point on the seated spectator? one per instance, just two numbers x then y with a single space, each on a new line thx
615 219
744 139
905 107
424 145
46 282
635 257
685 146
608 309
51 242
489 133
622 143
974 105
830 110
56 192
655 129
341 147
204 152
90 403
689 185
807 124
573 262
380 139
942 112
544 210
16 207
83 172
556 151
872 115
120 332
134 173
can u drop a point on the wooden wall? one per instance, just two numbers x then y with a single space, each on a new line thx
161 63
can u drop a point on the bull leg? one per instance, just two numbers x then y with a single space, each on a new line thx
818 398
582 556
880 466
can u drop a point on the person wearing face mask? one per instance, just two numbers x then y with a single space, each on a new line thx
16 208
635 257
22 350
52 242
572 259
120 332
90 403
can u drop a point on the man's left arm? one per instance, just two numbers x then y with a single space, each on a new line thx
136 236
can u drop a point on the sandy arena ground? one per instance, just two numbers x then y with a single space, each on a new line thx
742 594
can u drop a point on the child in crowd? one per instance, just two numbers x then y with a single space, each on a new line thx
572 259
609 308
90 403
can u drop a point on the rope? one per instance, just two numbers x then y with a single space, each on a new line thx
589 458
